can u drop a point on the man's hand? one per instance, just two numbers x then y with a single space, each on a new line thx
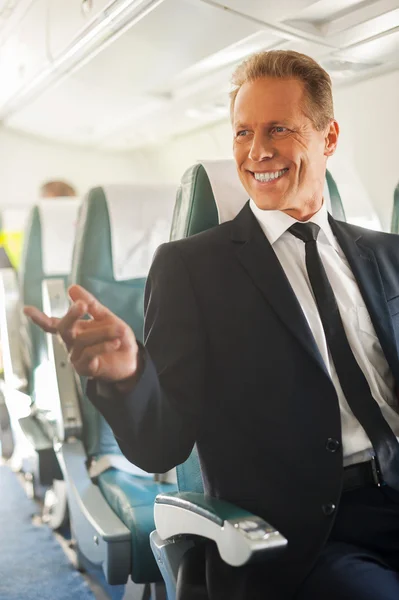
103 347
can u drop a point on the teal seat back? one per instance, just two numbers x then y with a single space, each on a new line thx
335 206
211 193
395 212
119 229
47 254
197 210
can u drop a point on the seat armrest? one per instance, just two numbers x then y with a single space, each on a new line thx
65 388
15 375
239 535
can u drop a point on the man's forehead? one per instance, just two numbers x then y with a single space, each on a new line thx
273 85
270 99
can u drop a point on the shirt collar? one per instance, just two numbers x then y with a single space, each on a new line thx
275 223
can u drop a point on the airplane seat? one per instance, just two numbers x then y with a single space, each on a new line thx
210 193
6 435
120 227
46 254
333 198
395 211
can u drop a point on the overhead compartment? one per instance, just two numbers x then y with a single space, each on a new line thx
71 37
67 19
120 100
23 51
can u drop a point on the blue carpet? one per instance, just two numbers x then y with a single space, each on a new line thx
115 592
33 565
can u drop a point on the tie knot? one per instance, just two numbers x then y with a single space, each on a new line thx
305 231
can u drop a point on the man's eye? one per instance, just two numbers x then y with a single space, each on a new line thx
242 133
279 130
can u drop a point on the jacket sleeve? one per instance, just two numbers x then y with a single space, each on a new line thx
156 423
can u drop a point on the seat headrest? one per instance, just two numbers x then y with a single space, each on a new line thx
359 209
5 262
58 225
14 219
395 211
211 193
140 217
228 191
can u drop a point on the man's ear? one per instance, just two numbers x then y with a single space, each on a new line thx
331 139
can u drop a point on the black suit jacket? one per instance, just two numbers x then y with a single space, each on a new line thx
232 365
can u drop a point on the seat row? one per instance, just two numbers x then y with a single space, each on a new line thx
133 524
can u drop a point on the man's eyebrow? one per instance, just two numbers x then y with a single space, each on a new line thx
285 122
240 125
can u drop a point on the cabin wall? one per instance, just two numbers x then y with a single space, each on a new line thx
27 162
369 119
368 111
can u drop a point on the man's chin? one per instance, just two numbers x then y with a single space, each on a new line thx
266 202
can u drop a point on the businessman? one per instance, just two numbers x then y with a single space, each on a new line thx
271 341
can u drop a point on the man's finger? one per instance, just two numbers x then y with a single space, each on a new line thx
94 307
48 324
83 363
65 325
93 336
77 292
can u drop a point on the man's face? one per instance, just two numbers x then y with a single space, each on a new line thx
280 157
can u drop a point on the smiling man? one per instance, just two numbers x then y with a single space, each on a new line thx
271 342
282 137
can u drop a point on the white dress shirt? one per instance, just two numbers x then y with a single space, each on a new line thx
359 329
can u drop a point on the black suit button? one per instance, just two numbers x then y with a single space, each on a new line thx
328 508
332 445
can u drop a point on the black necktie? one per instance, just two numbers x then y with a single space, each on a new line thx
353 382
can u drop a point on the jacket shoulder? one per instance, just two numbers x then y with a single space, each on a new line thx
200 241
372 236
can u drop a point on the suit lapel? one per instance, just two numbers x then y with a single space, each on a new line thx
261 263
363 263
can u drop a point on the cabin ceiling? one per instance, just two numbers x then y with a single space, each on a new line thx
79 72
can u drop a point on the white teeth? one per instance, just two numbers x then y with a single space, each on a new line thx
269 176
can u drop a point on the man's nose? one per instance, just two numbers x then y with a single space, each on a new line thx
261 149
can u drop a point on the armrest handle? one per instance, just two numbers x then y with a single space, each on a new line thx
240 536
15 374
66 395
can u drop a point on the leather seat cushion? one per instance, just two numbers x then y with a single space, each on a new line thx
132 499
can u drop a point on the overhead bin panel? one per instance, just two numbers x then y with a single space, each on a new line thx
123 87
169 73
67 19
90 40
23 52
172 38
269 11
381 49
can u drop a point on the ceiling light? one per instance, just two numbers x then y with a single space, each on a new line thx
114 20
